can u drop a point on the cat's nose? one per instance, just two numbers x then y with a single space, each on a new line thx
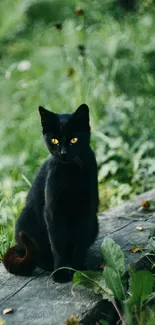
63 152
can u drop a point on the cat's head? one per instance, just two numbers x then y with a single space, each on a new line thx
67 136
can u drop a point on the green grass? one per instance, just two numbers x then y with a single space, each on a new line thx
114 75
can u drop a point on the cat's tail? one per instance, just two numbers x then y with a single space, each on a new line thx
21 262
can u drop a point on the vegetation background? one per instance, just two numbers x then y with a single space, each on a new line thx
59 54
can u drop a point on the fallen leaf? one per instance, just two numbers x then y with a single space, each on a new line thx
7 311
145 204
2 321
72 321
136 249
140 228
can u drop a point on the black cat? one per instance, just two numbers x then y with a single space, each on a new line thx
59 221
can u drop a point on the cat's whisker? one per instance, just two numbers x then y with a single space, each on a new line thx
82 163
78 162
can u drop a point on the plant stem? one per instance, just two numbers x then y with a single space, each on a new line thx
118 312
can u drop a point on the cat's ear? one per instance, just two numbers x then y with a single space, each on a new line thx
81 118
82 112
45 114
48 119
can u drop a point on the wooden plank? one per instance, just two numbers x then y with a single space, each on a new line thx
38 300
10 284
41 301
120 224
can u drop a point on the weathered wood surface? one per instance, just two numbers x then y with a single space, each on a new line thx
37 300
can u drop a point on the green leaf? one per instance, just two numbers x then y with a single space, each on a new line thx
88 279
113 256
128 311
94 281
149 298
103 322
141 286
151 320
113 282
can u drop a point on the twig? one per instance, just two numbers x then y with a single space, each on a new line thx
118 312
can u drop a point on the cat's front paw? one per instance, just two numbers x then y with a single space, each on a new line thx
63 276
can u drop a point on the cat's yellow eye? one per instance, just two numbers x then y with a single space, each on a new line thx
74 140
54 141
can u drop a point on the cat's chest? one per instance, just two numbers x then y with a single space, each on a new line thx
67 182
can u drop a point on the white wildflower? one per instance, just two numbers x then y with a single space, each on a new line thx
24 65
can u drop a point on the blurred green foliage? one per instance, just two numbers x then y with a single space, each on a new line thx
58 54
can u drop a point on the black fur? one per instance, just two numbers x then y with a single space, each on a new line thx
60 215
